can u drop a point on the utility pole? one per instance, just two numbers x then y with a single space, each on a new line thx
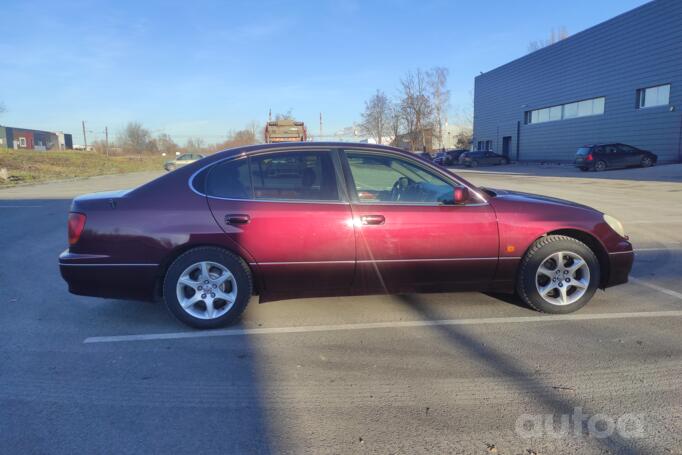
106 140
270 115
320 125
85 139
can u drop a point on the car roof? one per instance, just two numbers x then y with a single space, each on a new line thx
304 145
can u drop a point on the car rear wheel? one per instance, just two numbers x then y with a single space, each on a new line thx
504 161
558 275
474 163
646 161
600 166
170 167
207 287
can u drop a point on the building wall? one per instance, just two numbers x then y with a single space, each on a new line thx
638 49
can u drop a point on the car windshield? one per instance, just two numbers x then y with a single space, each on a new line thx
582 151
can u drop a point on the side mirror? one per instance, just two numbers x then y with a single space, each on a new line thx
461 195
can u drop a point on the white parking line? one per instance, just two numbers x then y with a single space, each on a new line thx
381 325
656 287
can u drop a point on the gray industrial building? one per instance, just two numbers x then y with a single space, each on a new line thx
619 81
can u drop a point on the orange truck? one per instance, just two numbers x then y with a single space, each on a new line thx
285 131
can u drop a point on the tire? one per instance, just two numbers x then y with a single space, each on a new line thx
504 161
209 309
560 297
170 168
600 166
646 161
474 163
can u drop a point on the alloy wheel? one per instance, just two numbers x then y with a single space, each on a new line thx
206 290
562 278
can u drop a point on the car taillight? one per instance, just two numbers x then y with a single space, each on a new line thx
76 224
589 157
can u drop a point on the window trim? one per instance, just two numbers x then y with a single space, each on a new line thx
642 92
529 113
352 189
343 195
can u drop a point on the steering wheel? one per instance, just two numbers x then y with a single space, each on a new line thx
399 186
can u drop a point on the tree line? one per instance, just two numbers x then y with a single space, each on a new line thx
418 110
134 138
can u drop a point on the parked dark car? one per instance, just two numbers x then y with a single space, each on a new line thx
600 157
331 219
477 158
448 157
425 155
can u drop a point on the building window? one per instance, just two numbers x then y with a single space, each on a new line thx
653 96
484 146
584 108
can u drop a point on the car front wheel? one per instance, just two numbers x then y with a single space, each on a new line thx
474 163
646 161
558 275
207 287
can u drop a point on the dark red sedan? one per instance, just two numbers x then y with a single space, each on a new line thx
332 219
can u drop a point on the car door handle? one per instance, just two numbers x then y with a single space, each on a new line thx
237 219
373 219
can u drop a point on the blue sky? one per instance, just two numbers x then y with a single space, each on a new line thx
204 68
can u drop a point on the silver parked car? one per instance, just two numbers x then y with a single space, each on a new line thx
182 160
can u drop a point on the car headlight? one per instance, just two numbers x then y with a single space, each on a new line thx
615 224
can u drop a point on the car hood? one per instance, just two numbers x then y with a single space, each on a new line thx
536 198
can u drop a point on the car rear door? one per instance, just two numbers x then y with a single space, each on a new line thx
287 210
408 237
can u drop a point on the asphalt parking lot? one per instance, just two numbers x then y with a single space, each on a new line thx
446 373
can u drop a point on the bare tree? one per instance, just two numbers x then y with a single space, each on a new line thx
376 117
135 138
416 106
554 37
166 144
395 120
194 145
464 138
440 97
243 137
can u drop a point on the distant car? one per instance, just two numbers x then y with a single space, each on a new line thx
182 160
475 159
600 157
425 155
448 157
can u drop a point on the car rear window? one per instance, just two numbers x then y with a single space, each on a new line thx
294 175
582 151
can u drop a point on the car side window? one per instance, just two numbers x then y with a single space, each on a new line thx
230 180
380 179
294 176
611 149
626 148
183 157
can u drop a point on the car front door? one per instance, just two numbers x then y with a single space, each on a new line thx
614 157
288 212
631 156
409 234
